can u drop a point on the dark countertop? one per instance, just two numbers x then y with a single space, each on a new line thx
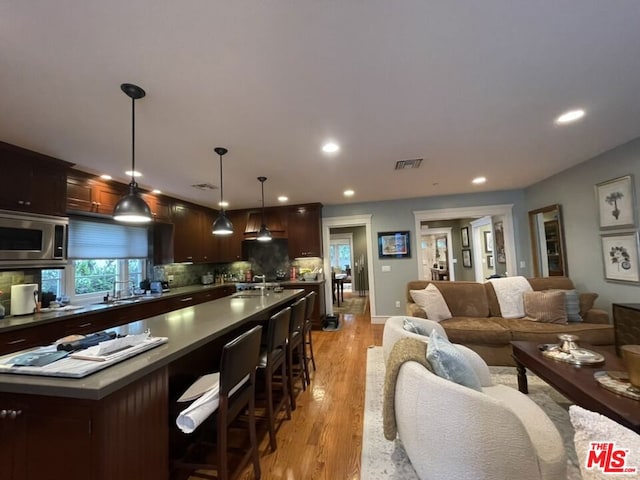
289 283
187 329
21 321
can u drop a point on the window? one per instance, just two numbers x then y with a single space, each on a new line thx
53 281
104 258
341 252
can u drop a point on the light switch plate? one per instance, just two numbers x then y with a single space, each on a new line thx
386 268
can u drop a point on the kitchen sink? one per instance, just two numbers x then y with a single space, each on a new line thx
247 294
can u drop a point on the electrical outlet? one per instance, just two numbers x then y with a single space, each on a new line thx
170 278
397 303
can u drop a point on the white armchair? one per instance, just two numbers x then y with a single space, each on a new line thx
450 431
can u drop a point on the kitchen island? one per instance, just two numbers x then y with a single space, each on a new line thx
116 423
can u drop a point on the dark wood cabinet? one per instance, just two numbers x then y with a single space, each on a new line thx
160 207
89 194
187 233
626 324
229 247
305 231
67 438
319 307
32 182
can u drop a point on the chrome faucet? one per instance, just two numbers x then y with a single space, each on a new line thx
264 282
117 293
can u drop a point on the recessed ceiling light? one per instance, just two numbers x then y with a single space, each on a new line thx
330 147
283 198
478 180
106 177
156 191
570 116
135 173
348 193
223 204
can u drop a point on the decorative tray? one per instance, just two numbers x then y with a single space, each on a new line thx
617 382
577 356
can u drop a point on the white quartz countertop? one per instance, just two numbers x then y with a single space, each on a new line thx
187 329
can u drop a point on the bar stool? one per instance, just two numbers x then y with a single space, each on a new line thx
308 339
272 356
296 344
236 395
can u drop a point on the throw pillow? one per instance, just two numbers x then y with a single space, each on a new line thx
590 428
410 326
450 363
586 302
431 301
545 306
571 303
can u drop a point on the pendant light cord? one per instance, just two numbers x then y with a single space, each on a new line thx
133 141
262 183
221 187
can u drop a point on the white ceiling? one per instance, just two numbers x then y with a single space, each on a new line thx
473 87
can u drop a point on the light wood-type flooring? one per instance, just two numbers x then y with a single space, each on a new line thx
323 439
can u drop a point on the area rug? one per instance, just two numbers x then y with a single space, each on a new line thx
385 460
352 305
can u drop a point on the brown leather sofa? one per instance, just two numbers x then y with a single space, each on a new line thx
477 321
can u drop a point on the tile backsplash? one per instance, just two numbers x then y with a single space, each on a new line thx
15 278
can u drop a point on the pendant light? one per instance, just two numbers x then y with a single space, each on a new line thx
132 208
264 235
222 225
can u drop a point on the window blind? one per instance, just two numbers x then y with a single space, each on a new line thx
89 239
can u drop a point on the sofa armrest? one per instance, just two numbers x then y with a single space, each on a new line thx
596 315
413 310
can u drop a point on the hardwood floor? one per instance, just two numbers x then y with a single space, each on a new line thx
323 439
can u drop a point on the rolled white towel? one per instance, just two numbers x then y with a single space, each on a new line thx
191 417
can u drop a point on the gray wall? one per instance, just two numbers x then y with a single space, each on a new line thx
574 190
398 215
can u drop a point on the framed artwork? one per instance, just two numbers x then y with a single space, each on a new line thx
490 263
464 233
488 242
498 242
394 245
620 257
615 199
466 258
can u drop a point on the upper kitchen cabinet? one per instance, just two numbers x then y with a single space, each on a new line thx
188 221
32 182
305 231
230 246
87 193
160 207
274 218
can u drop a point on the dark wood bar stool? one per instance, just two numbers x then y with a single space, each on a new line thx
272 356
308 339
237 395
296 344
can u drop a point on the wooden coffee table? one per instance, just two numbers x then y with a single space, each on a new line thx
577 382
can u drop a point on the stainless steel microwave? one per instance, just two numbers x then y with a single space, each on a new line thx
32 241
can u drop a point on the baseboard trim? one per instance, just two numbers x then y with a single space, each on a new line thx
379 319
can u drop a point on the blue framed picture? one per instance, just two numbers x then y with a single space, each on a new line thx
394 244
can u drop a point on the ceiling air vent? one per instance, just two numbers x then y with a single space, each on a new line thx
406 164
204 186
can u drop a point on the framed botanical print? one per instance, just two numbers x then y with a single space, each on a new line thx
620 257
464 235
466 258
616 200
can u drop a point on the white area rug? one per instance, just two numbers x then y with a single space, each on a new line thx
385 460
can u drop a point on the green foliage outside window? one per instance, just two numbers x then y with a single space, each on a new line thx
93 276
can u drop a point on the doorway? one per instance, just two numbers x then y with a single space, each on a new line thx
501 215
435 254
361 272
